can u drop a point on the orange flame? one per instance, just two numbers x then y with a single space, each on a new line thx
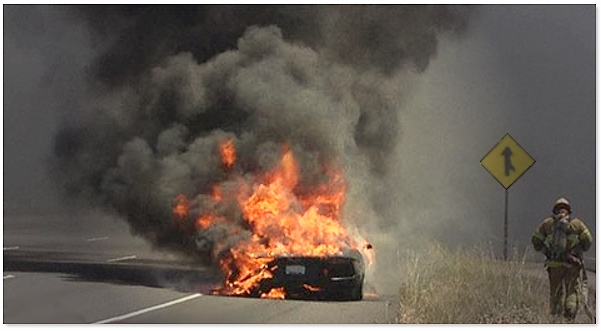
205 221
228 153
217 193
311 288
275 293
182 206
283 217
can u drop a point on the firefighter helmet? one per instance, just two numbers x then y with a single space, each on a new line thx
562 203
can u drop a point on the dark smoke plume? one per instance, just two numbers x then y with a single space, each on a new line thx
174 81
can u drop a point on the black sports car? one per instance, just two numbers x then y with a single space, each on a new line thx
338 277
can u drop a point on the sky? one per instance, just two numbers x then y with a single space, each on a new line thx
527 71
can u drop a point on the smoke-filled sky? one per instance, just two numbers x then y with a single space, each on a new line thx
113 103
524 70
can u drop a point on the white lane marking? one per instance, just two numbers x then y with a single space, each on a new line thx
10 248
149 309
122 258
97 239
8 277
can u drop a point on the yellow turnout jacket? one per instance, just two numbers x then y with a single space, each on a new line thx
579 239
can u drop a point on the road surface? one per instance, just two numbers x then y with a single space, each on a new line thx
89 269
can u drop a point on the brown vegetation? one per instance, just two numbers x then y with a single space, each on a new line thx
474 287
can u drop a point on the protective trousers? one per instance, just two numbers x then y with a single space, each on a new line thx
564 280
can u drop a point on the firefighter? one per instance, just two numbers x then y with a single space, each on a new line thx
563 239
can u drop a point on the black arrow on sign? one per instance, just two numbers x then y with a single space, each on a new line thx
508 166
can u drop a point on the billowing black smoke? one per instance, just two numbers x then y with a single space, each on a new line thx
174 81
383 37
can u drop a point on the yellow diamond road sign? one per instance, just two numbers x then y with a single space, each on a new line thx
507 161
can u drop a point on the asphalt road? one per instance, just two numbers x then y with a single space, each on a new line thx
89 269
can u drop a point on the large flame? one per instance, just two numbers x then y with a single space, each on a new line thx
282 218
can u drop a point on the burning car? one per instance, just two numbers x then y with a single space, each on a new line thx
274 235
337 277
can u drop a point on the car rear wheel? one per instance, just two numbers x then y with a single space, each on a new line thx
356 293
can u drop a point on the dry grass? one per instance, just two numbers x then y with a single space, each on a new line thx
448 287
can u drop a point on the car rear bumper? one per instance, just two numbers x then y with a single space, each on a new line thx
334 289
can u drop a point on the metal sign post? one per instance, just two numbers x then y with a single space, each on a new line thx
506 226
506 162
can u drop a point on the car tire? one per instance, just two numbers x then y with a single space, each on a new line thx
356 293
